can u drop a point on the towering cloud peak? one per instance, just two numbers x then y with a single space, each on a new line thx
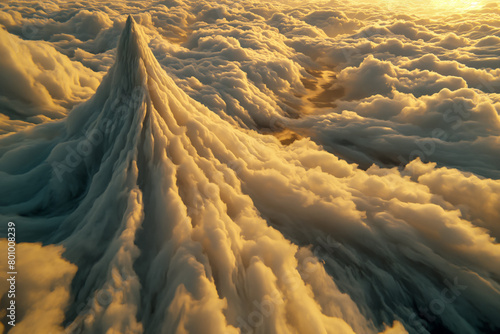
131 56
135 61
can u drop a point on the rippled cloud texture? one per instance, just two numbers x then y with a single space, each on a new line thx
252 167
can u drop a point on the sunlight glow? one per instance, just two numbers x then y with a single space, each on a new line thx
433 7
459 5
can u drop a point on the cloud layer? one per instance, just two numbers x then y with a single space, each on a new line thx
190 188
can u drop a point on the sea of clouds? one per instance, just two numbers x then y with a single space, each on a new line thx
252 166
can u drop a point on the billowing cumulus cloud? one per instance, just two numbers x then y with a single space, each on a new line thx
43 295
253 167
38 83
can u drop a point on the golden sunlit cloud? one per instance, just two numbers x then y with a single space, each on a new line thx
429 7
250 167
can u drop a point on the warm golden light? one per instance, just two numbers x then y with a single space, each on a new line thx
250 166
459 5
433 7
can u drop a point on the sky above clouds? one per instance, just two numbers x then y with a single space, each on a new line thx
253 166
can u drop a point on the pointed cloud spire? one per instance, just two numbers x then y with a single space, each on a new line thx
131 49
129 37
